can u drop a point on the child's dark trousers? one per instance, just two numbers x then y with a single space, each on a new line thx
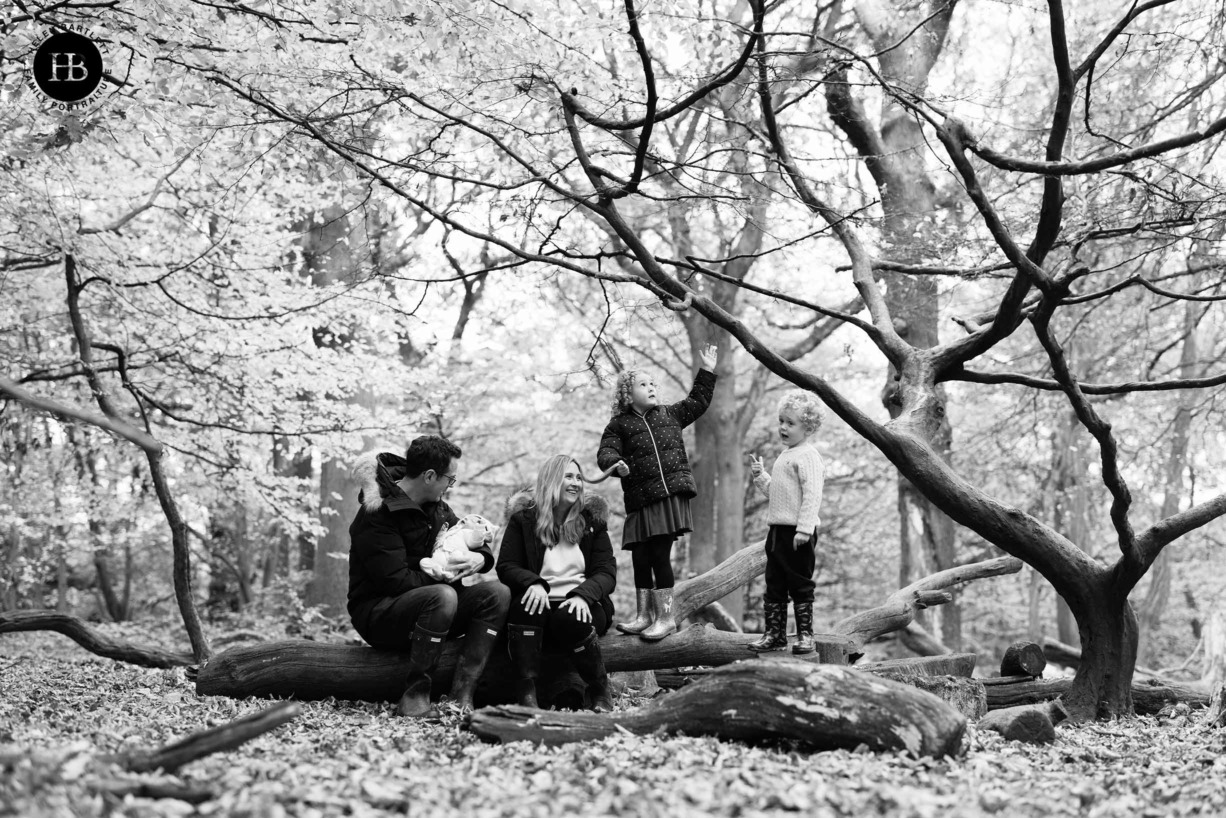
789 570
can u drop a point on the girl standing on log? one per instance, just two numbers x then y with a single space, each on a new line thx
794 487
643 443
558 562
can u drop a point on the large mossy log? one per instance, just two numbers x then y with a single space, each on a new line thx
760 700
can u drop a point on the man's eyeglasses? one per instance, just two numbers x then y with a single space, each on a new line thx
451 478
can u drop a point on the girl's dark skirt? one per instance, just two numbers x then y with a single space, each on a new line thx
663 518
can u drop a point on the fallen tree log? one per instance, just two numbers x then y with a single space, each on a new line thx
757 700
920 642
697 593
899 609
961 665
1069 656
315 670
1023 659
214 740
90 639
312 670
1148 697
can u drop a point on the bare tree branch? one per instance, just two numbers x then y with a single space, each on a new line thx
113 425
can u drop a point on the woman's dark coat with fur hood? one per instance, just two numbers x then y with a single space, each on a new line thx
652 446
523 554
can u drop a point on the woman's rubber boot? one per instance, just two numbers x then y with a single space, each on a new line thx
664 624
524 644
478 644
642 619
775 636
804 628
427 647
590 664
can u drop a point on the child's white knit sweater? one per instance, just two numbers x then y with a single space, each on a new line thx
794 487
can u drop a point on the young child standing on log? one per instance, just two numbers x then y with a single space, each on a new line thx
643 444
794 487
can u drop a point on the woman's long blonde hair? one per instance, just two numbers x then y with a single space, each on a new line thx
546 498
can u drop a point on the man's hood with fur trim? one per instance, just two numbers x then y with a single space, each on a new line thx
373 490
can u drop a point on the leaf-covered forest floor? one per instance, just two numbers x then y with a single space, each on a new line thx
63 710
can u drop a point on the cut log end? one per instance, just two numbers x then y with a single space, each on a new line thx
1023 659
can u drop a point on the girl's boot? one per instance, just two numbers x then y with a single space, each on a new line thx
804 628
642 619
775 635
662 602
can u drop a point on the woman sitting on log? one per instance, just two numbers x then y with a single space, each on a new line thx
558 562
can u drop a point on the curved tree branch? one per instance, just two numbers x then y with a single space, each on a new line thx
1121 497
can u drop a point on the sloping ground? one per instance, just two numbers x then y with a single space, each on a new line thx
62 711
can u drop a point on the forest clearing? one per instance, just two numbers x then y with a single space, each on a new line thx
66 710
759 407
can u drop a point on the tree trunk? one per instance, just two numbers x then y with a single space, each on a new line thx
153 450
719 511
896 154
329 258
1070 502
756 701
1213 667
1102 686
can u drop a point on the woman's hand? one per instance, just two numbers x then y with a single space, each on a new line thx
535 600
801 539
578 608
709 357
621 468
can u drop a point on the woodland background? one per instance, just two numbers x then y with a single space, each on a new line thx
286 258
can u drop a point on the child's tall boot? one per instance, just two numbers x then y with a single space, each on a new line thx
642 619
665 623
804 628
774 637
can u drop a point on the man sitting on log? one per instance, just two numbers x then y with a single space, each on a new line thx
394 604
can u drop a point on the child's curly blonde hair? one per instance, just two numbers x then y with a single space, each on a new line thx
807 407
621 393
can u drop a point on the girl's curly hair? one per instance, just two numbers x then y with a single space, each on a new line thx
621 393
807 407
